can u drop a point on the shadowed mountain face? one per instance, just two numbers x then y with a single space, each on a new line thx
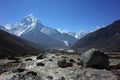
40 38
105 39
13 45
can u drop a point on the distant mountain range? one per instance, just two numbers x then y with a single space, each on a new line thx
105 39
11 45
32 29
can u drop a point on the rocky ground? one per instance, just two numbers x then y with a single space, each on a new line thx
55 66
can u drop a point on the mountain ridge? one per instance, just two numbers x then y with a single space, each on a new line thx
41 34
34 21
105 39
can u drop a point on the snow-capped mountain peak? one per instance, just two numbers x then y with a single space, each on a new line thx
30 22
32 29
27 24
30 15
31 18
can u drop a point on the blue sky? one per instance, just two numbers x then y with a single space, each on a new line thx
71 15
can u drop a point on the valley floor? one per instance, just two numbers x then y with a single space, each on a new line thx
46 67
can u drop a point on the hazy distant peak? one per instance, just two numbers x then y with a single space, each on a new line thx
62 31
81 34
76 35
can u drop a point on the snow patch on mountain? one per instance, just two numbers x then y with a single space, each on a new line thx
8 26
62 31
46 30
66 43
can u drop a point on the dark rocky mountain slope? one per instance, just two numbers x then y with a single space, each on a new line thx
13 45
105 39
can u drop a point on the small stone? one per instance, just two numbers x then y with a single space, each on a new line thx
40 64
71 60
32 73
61 78
50 77
18 70
50 60
29 59
64 64
40 56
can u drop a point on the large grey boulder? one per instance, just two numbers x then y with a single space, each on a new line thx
94 58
